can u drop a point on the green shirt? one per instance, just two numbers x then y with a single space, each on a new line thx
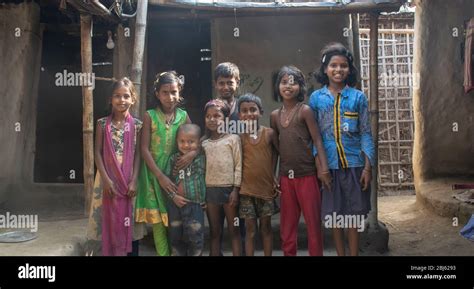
150 206
193 176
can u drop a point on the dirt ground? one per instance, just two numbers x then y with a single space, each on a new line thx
415 231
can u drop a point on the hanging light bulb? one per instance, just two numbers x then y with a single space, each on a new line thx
110 41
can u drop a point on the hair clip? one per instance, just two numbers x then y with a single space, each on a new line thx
349 56
159 76
324 58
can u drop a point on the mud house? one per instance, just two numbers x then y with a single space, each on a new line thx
47 129
444 120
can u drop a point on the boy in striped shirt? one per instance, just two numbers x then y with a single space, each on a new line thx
186 207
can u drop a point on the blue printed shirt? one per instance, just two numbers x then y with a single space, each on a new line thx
344 122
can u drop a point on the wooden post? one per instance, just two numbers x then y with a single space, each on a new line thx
87 114
356 45
374 113
138 49
122 52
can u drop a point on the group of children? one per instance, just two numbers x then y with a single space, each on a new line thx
185 174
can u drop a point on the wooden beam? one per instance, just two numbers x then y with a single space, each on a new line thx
138 49
282 7
374 112
87 114
166 13
390 31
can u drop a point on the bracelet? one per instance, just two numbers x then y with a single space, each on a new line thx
172 195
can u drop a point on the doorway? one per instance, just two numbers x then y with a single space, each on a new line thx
185 47
59 145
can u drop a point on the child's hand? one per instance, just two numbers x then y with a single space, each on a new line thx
109 188
204 206
167 185
180 189
325 178
276 187
180 201
234 198
184 161
132 189
365 179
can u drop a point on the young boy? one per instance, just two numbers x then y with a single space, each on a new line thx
226 82
185 210
257 191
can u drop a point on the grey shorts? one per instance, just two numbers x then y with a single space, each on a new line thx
218 195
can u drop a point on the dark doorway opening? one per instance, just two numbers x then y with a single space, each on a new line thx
59 145
185 47
58 157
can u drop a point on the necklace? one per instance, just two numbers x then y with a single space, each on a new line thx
289 114
118 123
168 119
255 134
188 171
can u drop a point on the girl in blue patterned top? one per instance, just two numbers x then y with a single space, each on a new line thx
343 117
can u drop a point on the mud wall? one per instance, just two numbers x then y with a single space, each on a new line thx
21 37
20 43
266 43
444 115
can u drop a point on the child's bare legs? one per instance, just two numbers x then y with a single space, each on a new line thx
267 235
353 237
338 236
215 219
251 228
234 231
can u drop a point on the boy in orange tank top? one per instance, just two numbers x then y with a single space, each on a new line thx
258 190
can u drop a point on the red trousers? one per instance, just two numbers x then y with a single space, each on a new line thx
300 195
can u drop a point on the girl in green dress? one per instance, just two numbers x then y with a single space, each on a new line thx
158 143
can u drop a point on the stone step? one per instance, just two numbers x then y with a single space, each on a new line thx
370 240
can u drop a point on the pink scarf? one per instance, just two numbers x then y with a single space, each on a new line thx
117 217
